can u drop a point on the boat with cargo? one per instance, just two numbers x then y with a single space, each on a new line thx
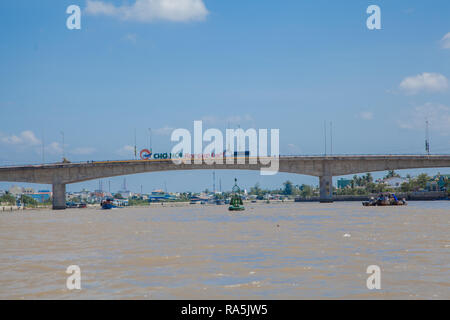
108 204
385 199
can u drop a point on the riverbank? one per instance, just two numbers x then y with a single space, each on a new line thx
10 208
412 196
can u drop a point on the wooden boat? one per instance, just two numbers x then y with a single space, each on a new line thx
385 199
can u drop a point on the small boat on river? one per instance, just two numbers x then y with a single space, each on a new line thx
385 199
108 204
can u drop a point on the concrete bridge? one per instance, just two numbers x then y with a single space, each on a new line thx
324 167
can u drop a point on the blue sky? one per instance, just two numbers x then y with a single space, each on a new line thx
263 64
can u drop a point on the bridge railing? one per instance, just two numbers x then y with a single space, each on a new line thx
10 164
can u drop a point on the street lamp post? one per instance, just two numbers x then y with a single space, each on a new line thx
63 153
150 139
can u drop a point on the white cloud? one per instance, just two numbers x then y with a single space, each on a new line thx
365 115
54 148
232 120
26 138
445 41
431 82
83 151
239 119
151 10
126 150
437 115
294 149
101 8
166 131
210 119
130 37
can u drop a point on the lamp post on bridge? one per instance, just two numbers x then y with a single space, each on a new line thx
63 153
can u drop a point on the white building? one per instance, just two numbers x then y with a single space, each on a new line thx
15 191
28 191
125 193
394 182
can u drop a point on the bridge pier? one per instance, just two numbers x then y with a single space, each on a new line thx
326 189
59 196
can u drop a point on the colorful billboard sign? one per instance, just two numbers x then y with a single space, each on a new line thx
146 154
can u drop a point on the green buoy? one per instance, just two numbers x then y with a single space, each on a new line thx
236 203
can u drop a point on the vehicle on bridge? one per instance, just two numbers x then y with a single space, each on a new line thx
385 199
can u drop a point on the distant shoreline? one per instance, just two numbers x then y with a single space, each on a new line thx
428 196
409 196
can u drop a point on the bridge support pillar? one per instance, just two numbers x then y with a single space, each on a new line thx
59 196
326 189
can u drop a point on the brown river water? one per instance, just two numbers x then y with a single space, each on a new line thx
270 251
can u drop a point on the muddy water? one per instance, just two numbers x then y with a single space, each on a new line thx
269 251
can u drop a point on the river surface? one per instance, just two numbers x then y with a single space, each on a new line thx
269 251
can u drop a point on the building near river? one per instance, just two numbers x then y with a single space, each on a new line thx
41 196
438 183
160 195
394 182
27 191
15 191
